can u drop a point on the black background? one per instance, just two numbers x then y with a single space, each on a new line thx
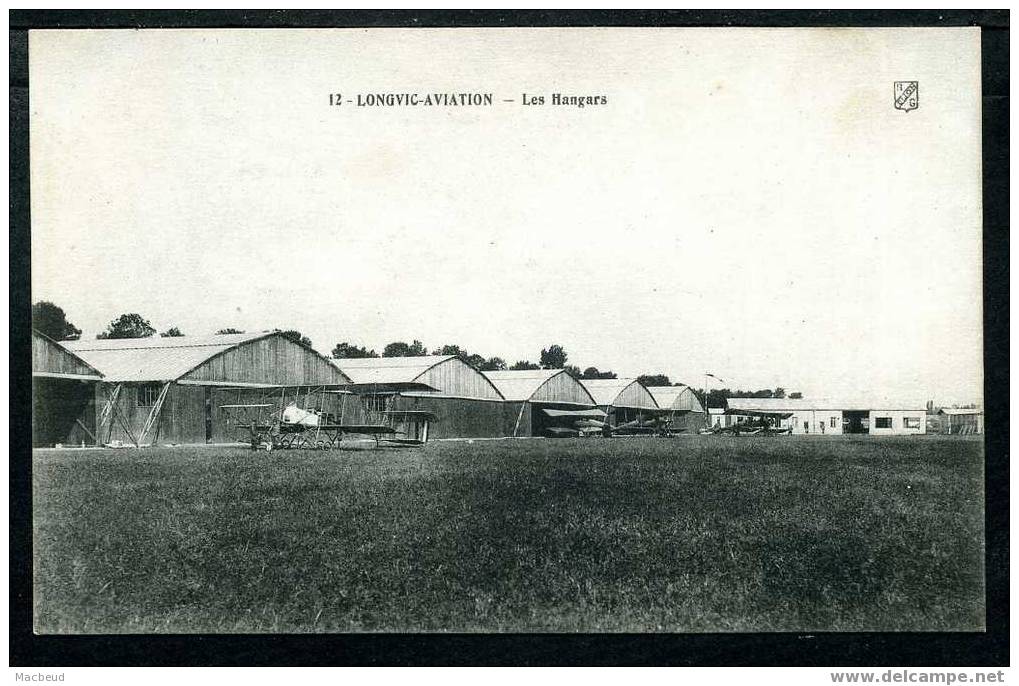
824 649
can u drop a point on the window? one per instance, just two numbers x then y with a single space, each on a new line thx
147 394
831 422
882 422
911 422
375 403
796 421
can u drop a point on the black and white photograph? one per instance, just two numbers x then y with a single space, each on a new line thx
469 330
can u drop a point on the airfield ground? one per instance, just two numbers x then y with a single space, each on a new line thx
686 534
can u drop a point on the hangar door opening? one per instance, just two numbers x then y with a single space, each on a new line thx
855 421
63 413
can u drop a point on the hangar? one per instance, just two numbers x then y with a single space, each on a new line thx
172 389
624 400
464 402
962 421
684 409
63 395
530 392
853 416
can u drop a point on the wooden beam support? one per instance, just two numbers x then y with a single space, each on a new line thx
153 417
86 429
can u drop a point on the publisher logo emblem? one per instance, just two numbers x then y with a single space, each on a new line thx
907 95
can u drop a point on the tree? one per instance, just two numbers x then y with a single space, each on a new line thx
553 357
128 326
594 373
573 370
796 396
223 332
476 361
654 380
715 397
779 392
761 393
50 320
493 364
348 351
450 349
401 349
296 337
172 332
524 364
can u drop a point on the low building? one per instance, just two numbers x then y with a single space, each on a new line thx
810 416
718 419
64 389
172 390
624 400
464 402
529 393
961 421
685 412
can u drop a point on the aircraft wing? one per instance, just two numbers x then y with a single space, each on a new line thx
369 429
404 441
593 413
411 415
761 413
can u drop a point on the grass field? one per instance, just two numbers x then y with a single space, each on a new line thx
689 534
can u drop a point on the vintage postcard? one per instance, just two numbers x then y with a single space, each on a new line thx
507 330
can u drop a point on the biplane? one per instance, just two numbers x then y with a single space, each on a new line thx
760 422
655 426
302 420
575 423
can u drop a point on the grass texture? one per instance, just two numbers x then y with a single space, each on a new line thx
688 534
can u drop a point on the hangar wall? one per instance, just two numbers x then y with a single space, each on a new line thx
457 417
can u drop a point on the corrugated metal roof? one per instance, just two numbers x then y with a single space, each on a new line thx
605 391
154 359
807 404
520 384
388 370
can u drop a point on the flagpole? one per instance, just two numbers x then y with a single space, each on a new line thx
707 413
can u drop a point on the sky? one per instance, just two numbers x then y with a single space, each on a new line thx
747 202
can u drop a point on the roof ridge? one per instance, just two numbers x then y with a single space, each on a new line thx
140 347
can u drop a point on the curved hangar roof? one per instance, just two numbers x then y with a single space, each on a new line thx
620 393
541 386
250 359
675 398
444 374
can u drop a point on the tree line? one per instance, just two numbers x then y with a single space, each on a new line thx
51 320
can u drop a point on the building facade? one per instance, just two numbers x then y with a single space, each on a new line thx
825 417
64 389
685 412
624 400
172 390
528 393
464 402
961 421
